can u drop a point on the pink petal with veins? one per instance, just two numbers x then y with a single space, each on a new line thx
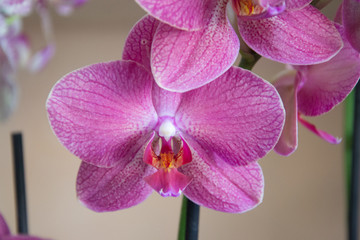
138 43
185 14
327 84
239 116
183 60
138 48
304 36
220 186
103 113
115 188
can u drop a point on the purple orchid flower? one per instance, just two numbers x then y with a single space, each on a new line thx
198 31
351 21
6 235
135 137
314 90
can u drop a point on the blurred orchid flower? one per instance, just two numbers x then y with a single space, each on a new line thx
14 52
135 137
198 31
15 46
314 90
6 235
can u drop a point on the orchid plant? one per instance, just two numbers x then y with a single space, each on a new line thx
175 116
135 137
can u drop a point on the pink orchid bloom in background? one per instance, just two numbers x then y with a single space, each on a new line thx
14 53
195 43
351 21
314 90
6 235
135 137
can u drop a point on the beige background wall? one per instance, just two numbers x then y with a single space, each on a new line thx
304 193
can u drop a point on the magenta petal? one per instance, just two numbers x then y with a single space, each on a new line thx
239 116
168 182
103 113
111 189
220 186
351 21
324 135
183 60
327 84
288 140
4 229
165 102
184 14
304 36
138 43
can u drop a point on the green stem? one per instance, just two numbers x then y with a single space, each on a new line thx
182 224
248 59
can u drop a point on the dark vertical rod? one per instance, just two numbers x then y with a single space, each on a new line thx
192 221
354 188
22 226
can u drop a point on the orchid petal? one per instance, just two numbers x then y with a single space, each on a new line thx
288 140
239 116
351 20
185 14
103 113
220 186
137 48
322 134
183 60
327 84
4 229
111 189
138 43
304 36
16 7
165 102
8 93
41 58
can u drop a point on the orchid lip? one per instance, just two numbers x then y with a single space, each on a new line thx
167 156
250 9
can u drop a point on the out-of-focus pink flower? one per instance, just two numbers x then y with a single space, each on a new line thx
135 137
314 90
195 42
6 235
15 46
